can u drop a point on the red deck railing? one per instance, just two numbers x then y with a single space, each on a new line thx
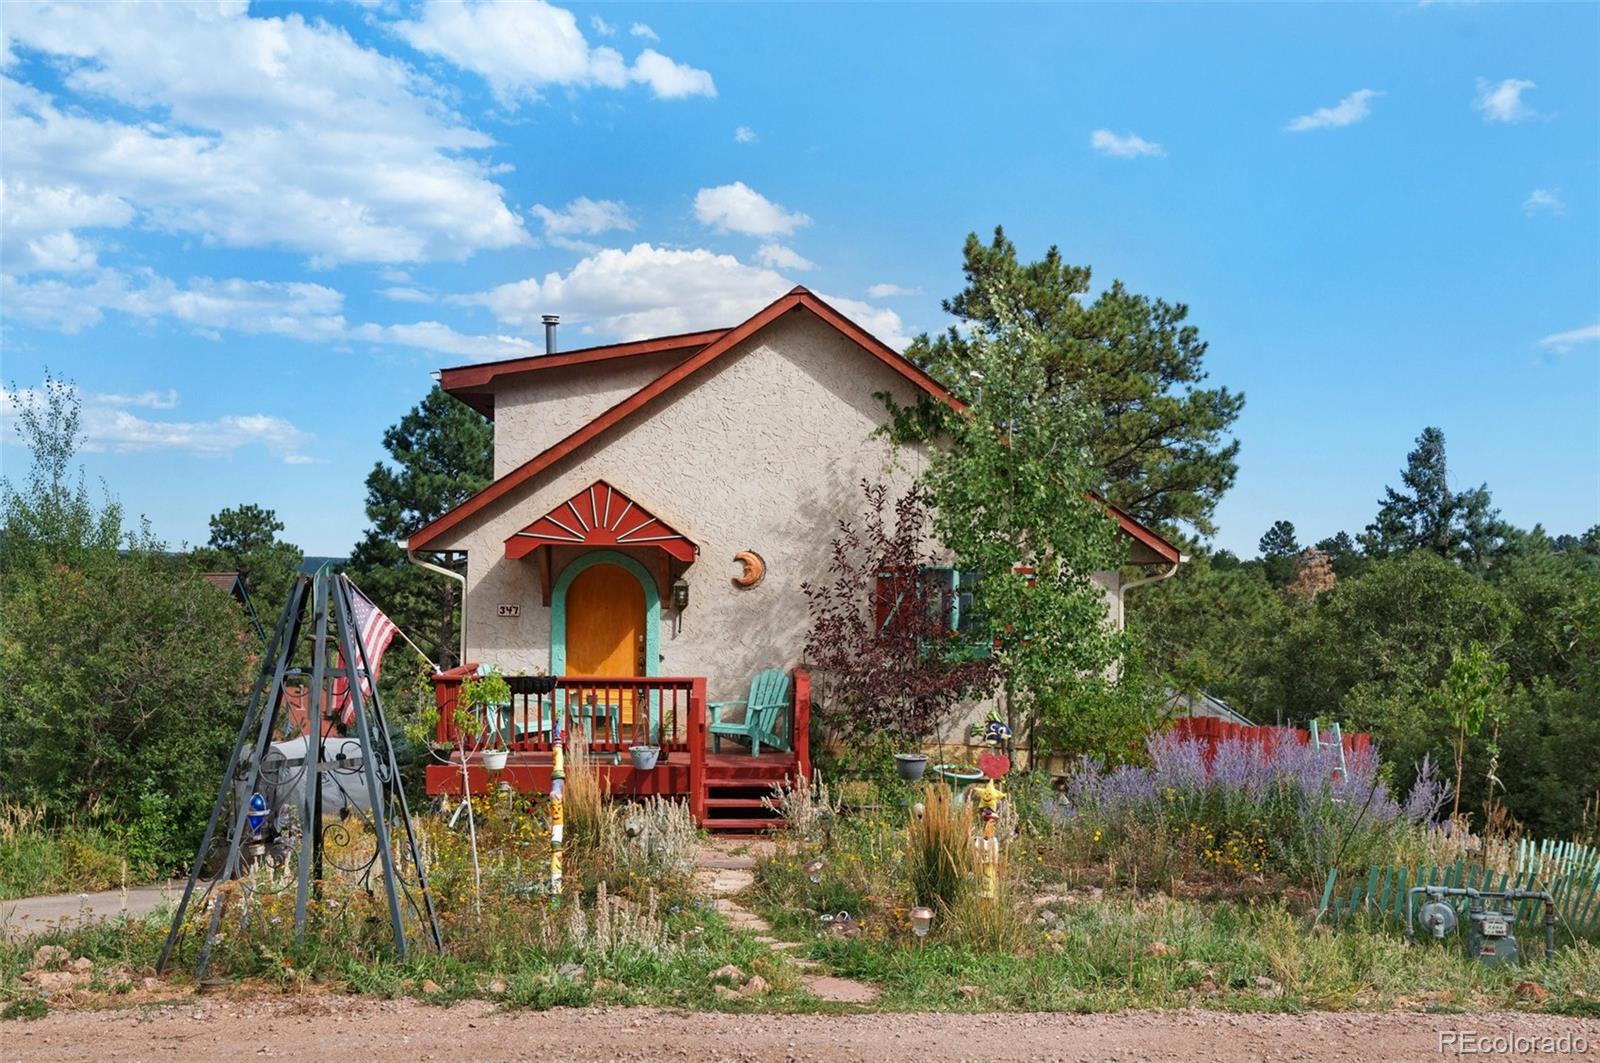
613 714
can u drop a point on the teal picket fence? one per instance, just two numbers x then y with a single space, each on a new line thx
1573 879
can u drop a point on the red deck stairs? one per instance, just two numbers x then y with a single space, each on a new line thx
739 788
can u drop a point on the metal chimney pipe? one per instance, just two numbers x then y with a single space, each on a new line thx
550 322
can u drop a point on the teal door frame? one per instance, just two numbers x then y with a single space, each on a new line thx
652 608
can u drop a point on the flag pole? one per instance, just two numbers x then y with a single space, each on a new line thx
397 627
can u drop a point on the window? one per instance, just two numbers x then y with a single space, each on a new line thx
946 594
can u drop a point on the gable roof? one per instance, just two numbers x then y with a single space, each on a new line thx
474 384
712 345
798 298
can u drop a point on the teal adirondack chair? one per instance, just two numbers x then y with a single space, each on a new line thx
769 696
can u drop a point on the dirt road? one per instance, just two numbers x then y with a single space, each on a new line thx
316 1028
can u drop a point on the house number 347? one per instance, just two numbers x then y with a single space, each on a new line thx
511 610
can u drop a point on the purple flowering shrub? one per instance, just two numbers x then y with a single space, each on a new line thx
1289 809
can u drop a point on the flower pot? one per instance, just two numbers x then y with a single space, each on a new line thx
495 759
911 765
644 757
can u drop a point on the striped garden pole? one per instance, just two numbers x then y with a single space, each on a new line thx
557 821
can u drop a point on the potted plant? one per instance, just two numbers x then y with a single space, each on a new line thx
480 696
644 757
911 765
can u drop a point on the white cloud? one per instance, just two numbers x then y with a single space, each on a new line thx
1502 101
741 209
401 294
1123 147
108 426
1544 201
310 313
521 48
1348 111
601 26
670 80
886 291
643 32
268 142
1562 342
744 135
37 223
585 217
654 291
778 256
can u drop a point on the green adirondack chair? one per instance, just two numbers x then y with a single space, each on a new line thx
769 696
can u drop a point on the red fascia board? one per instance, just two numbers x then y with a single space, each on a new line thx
482 373
1171 554
796 299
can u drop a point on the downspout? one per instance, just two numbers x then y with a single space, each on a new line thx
1168 574
458 577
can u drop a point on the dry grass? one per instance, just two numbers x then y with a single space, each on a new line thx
941 861
585 801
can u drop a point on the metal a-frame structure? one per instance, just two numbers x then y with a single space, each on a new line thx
330 623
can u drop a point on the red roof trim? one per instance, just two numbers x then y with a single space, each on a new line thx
796 299
1169 553
600 515
482 373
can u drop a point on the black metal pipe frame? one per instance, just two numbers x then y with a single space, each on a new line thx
330 603
1510 895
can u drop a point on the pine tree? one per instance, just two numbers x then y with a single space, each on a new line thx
244 539
1159 440
1426 515
1278 549
441 453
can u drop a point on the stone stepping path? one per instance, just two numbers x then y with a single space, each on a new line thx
723 874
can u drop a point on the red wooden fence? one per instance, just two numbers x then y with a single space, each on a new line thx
1214 732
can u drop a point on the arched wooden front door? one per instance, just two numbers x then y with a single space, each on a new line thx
605 623
606 627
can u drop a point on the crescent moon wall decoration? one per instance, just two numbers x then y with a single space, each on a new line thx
755 569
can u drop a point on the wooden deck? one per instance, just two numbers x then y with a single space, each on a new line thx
725 790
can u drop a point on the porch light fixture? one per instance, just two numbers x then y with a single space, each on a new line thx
814 871
921 921
680 594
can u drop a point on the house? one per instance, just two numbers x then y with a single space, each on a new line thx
657 506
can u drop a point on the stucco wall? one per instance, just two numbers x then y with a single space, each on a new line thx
544 407
760 451
763 451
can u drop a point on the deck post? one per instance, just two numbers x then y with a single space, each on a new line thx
800 725
446 690
697 750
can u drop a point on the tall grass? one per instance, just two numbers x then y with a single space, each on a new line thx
71 856
586 802
941 862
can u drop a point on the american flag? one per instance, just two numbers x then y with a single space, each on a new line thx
376 631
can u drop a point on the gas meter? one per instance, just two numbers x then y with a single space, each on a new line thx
1491 920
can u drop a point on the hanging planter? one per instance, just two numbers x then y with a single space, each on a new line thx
911 765
495 759
644 757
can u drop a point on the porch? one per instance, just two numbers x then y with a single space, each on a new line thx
724 790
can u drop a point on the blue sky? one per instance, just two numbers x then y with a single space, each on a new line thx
249 234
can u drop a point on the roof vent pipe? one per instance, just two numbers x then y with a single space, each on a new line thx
550 323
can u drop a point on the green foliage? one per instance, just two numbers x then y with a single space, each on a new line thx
42 854
1278 549
1010 499
122 671
1428 515
244 539
1157 437
1089 715
480 696
440 454
1470 690
50 518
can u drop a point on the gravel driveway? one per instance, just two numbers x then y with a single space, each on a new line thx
315 1028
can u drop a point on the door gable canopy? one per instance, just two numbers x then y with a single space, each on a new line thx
600 516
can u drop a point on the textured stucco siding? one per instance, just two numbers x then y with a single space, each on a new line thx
763 450
545 407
